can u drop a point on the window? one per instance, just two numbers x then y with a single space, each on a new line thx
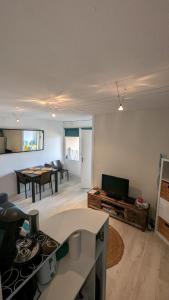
72 143
72 148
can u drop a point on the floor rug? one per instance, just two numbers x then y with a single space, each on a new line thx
115 248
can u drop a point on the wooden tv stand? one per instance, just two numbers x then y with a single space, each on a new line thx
119 209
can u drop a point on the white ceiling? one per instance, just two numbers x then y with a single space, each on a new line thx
64 56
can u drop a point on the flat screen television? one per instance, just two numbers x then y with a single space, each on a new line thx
115 187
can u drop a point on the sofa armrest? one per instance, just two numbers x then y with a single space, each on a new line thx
3 197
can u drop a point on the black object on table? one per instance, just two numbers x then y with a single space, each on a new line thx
32 177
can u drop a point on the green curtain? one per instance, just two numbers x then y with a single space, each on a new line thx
86 128
74 132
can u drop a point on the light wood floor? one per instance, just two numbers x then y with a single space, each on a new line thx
143 272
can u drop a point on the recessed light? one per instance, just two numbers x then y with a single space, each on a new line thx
53 115
17 120
121 107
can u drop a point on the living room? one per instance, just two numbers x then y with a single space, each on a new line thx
85 86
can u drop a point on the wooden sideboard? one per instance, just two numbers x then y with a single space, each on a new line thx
119 209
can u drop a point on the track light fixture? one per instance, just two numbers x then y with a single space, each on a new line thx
120 108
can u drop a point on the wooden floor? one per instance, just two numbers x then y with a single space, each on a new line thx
143 272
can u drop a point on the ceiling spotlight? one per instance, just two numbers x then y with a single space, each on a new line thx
121 107
53 115
17 120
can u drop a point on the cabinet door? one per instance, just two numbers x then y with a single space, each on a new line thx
136 216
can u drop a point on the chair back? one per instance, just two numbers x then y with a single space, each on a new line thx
46 165
22 178
54 164
59 165
45 177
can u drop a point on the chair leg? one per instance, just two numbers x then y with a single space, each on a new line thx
25 192
51 187
67 175
40 190
60 178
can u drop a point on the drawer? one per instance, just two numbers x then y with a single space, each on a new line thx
164 190
163 211
163 228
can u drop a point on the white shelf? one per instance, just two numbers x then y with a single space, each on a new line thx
69 279
163 199
165 179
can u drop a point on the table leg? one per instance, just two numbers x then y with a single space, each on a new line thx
56 182
33 192
18 185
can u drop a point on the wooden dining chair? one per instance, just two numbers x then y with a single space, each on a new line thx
47 165
58 165
45 178
24 180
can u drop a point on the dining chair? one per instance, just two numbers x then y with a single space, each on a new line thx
45 178
24 180
58 165
47 165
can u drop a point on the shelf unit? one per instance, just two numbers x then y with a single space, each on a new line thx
162 214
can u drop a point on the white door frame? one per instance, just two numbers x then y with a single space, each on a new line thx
92 153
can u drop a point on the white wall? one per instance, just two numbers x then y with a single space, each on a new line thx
128 144
73 166
53 143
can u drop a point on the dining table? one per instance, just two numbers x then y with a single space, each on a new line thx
32 174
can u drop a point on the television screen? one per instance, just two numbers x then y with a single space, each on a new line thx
115 186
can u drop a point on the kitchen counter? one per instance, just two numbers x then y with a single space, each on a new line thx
73 274
62 225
